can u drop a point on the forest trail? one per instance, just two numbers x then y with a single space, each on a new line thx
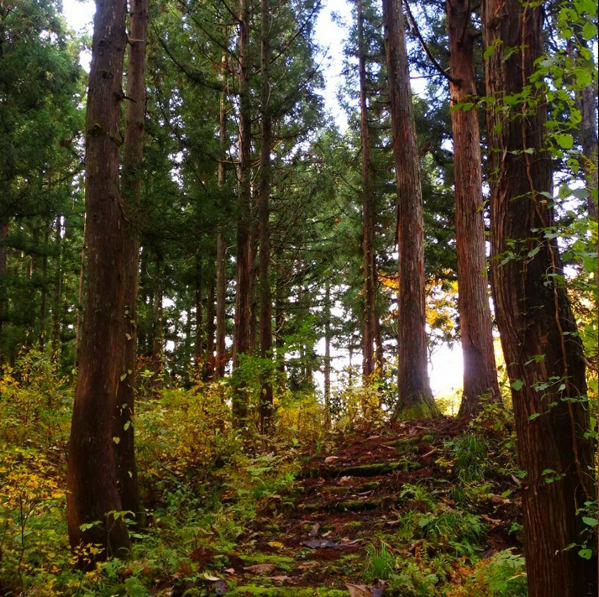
344 505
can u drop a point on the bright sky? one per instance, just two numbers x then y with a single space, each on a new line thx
447 363
79 13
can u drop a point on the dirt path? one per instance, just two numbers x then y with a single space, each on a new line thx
344 503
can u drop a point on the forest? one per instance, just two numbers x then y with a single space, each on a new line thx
228 284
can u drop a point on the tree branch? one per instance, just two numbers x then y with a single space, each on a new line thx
426 48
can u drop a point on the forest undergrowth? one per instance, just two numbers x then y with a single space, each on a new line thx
413 509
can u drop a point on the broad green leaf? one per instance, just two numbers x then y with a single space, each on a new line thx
532 253
589 31
564 140
517 384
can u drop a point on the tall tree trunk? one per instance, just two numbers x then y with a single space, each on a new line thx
327 355
221 256
588 140
378 338
44 295
198 351
221 263
266 403
81 292
31 300
143 333
480 370
221 306
279 330
175 339
254 271
536 323
57 290
187 341
157 326
92 490
210 328
4 227
367 210
415 396
131 187
243 297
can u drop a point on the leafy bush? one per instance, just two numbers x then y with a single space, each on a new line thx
502 575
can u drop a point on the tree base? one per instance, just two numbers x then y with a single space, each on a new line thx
424 409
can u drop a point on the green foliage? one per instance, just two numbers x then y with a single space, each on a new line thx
358 406
36 403
380 564
471 457
500 576
483 458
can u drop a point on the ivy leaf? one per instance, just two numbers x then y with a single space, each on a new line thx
589 30
590 263
565 141
583 77
517 384
592 522
587 554
589 7
580 193
575 116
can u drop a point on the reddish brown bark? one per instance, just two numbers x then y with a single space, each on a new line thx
92 490
254 272
266 402
480 371
369 325
80 294
378 335
279 329
327 356
221 264
221 307
415 397
242 298
210 328
131 190
198 349
4 227
57 290
588 140
44 289
158 325
537 326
